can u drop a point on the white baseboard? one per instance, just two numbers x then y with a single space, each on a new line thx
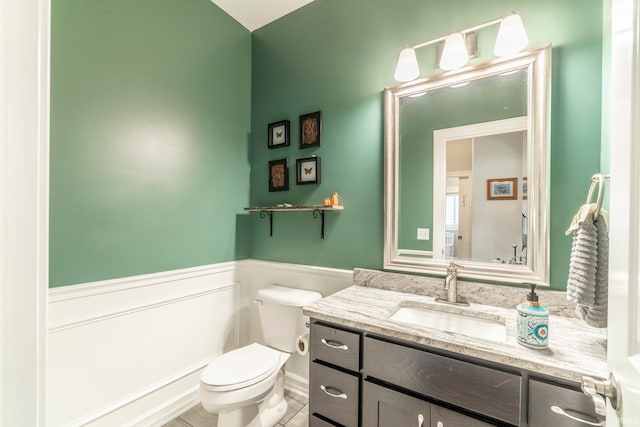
168 411
130 351
297 384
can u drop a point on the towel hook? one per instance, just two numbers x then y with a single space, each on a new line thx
598 179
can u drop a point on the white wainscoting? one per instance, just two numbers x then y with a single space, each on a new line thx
130 351
122 351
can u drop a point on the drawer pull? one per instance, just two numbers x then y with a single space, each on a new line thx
559 410
420 420
335 393
334 344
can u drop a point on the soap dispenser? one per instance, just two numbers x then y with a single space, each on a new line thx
533 322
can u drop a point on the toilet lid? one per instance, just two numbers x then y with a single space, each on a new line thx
241 368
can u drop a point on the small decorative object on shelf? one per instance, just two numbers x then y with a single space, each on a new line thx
317 211
335 199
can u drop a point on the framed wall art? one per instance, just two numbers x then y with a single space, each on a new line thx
502 189
278 175
278 134
310 129
308 170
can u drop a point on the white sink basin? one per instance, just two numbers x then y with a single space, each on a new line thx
488 329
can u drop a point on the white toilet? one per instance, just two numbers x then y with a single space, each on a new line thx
246 386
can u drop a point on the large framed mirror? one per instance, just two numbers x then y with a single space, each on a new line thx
467 171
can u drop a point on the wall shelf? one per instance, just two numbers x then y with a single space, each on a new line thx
317 211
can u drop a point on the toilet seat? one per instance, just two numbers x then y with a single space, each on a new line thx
241 368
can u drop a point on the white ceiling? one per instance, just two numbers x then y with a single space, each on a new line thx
254 14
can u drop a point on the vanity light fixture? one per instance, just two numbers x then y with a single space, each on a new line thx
407 68
511 39
454 54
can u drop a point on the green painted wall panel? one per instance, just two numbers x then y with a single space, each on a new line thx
337 57
151 103
150 111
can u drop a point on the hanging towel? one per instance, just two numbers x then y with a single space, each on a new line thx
589 268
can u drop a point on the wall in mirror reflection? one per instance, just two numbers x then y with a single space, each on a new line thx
484 230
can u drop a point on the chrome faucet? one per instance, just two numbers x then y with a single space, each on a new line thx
451 285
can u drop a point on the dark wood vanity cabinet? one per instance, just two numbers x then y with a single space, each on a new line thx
358 379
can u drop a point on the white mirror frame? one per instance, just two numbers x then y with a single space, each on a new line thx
538 64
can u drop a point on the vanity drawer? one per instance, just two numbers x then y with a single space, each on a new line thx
335 346
315 421
477 388
334 395
542 396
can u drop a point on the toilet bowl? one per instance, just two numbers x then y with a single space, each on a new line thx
235 383
246 386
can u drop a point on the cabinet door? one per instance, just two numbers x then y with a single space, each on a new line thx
382 407
441 417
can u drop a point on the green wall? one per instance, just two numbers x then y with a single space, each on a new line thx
150 111
337 57
159 112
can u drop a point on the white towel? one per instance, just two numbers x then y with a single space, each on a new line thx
589 270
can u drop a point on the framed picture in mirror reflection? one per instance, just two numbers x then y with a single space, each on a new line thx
502 189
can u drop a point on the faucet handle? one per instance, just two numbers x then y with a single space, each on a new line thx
454 266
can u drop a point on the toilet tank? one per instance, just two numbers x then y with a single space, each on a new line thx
281 315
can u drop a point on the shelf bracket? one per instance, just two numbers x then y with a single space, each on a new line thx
264 214
320 212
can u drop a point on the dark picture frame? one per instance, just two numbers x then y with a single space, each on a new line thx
310 129
308 170
278 175
278 134
502 189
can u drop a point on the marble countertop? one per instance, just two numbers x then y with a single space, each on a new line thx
575 349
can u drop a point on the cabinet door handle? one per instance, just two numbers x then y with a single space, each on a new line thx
334 344
559 410
333 392
420 420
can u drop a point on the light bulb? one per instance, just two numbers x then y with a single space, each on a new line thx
512 37
454 54
407 68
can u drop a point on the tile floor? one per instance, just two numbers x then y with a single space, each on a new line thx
297 415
